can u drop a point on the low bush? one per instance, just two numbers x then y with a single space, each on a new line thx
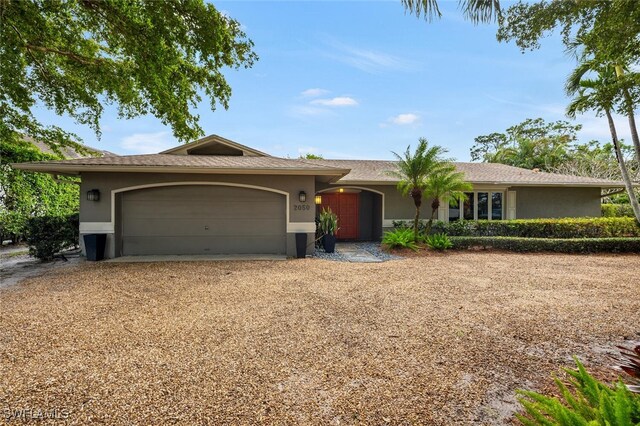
438 242
399 238
48 235
559 245
403 224
585 401
617 210
604 227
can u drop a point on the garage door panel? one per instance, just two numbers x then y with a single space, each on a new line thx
202 220
138 209
217 227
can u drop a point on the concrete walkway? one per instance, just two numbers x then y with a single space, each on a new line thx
195 258
352 253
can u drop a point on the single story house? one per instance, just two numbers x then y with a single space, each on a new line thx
215 196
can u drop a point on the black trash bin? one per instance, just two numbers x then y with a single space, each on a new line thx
94 245
301 245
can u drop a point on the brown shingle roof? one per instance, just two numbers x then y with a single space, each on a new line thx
378 171
186 162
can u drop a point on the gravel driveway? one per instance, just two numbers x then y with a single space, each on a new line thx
442 339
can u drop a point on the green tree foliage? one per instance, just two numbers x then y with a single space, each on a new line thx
145 56
413 170
602 33
531 144
445 185
598 93
25 194
475 10
310 156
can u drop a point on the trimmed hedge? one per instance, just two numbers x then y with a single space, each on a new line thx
603 227
617 210
48 235
558 245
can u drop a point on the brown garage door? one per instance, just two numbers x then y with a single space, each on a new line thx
202 220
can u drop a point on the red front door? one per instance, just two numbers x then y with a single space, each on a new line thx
345 205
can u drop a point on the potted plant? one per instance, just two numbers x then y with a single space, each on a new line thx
328 228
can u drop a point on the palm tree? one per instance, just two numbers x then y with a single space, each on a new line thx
413 170
599 94
447 186
475 10
583 51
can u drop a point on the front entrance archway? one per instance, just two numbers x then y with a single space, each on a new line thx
359 212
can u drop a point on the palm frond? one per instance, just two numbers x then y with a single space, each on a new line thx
477 11
423 8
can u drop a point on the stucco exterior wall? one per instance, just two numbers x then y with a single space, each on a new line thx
549 202
96 217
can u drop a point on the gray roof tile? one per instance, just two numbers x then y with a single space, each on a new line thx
378 171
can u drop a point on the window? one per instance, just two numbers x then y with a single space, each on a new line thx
454 211
478 206
496 206
483 205
468 206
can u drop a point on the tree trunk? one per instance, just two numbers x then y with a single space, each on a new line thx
632 126
628 105
623 167
416 221
434 208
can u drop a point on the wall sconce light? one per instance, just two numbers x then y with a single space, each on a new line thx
318 199
93 195
302 196
341 190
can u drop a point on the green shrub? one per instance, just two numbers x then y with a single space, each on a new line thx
559 245
402 224
617 210
399 238
328 222
438 242
604 227
48 235
591 403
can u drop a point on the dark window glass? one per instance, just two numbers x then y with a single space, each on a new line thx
468 206
454 211
496 206
483 205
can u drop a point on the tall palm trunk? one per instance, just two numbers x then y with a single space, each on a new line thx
416 194
628 105
416 223
435 205
623 167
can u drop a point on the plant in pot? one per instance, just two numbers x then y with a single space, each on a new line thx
328 228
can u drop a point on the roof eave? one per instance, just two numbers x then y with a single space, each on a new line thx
500 183
75 169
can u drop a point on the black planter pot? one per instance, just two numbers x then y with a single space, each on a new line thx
329 243
301 245
94 245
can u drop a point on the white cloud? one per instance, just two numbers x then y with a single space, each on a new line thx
313 93
405 119
339 101
367 60
148 143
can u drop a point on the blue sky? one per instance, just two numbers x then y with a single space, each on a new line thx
362 79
